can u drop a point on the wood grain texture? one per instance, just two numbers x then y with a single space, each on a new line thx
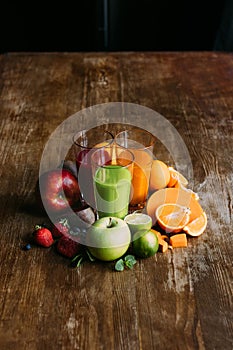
178 300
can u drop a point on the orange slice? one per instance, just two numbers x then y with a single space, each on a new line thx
197 226
174 196
176 176
172 217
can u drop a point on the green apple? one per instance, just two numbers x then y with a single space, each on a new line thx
138 222
108 238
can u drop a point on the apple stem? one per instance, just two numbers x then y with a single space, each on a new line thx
112 223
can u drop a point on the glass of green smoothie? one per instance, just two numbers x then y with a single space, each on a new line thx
112 175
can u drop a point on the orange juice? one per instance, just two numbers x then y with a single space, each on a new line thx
141 177
141 143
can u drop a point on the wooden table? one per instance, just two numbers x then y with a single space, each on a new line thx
178 300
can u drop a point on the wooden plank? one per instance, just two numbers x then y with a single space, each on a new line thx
178 300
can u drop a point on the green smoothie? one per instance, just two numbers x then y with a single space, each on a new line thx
112 190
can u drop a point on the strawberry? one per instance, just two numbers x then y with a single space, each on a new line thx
67 247
60 229
43 236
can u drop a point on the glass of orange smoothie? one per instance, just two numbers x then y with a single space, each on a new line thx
141 143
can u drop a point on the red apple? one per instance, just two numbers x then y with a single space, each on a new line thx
59 190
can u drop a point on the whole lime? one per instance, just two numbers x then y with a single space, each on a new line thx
145 244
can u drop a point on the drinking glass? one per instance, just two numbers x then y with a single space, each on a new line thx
141 143
85 143
112 176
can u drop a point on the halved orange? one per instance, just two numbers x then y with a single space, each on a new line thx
172 217
194 194
176 176
197 226
174 196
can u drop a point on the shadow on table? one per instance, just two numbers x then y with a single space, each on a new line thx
13 203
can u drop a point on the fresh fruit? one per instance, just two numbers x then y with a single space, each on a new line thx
145 243
108 238
67 247
163 245
173 195
160 175
138 221
80 220
176 176
43 236
197 226
178 241
27 246
193 194
70 166
60 228
86 216
172 217
59 190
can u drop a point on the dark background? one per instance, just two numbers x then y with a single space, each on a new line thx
112 25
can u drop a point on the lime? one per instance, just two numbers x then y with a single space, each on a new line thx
138 221
145 243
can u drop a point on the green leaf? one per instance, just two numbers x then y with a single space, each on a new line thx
119 266
76 261
130 258
76 257
90 257
130 261
79 261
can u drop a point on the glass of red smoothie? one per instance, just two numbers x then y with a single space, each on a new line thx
85 143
